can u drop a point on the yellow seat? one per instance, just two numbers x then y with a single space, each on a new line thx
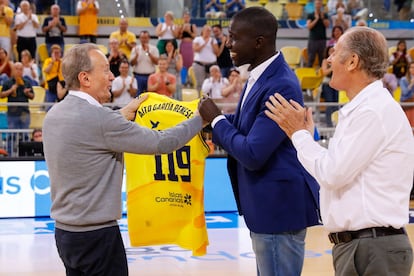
42 52
192 77
251 3
411 52
302 2
309 79
189 94
391 50
36 119
39 98
103 48
342 97
397 94
276 8
334 117
67 47
294 10
292 55
3 108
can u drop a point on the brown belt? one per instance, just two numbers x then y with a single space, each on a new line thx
347 236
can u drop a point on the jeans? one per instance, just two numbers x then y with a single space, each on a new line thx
279 254
142 81
331 96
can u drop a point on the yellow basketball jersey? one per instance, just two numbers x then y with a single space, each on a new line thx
165 193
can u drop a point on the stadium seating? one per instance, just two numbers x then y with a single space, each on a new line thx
189 94
276 8
292 55
294 10
42 52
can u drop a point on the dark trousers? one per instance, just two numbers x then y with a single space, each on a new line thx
142 81
26 43
99 252
331 96
316 47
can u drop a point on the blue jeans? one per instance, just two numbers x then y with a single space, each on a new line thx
142 81
279 254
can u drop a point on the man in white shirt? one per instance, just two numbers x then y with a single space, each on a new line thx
366 173
124 87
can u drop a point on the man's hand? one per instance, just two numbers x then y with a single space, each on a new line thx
130 109
290 116
208 109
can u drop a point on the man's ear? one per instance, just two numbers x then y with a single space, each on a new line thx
84 79
353 62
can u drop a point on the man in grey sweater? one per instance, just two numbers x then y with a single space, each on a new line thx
84 144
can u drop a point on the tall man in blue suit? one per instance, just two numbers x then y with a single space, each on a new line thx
274 193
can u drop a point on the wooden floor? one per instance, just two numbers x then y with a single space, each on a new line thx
27 248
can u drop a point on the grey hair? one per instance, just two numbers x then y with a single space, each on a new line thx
371 47
75 61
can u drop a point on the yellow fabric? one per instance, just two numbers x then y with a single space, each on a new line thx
4 27
130 37
88 20
165 193
55 71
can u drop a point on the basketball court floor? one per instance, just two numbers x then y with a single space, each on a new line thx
27 248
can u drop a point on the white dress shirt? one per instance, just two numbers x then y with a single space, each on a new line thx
366 173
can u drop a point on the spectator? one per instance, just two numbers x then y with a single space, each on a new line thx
186 32
126 39
212 86
390 82
400 60
144 58
363 205
354 6
165 31
52 73
88 20
124 87
162 82
317 24
54 27
341 19
142 8
332 6
198 8
337 31
223 56
205 54
6 66
37 135
231 93
329 94
404 9
273 192
175 64
233 6
17 90
30 68
407 92
115 56
6 20
214 9
87 204
26 24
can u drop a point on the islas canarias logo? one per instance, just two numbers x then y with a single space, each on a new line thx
175 199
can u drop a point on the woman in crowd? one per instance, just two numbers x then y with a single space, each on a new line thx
175 64
400 59
186 32
165 31
30 68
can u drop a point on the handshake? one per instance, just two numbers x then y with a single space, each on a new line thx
208 110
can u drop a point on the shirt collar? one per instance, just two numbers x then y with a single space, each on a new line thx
85 96
256 72
373 87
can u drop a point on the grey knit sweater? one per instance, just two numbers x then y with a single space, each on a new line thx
84 147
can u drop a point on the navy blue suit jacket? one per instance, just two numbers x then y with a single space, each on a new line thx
273 191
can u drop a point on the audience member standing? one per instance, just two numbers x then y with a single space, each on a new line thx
187 32
6 20
212 86
317 23
124 87
214 9
127 39
115 56
142 8
198 8
88 20
175 64
26 24
165 31
223 57
205 54
54 27
233 6
144 58
162 82
341 19
400 59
